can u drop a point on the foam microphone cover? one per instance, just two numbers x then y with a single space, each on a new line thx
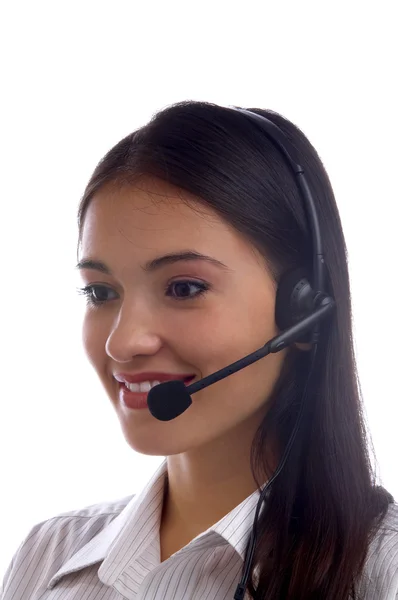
168 400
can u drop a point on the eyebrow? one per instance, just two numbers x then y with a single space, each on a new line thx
156 263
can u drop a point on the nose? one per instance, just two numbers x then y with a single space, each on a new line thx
132 335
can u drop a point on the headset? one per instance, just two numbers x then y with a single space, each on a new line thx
300 306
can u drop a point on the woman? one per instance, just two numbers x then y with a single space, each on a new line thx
185 230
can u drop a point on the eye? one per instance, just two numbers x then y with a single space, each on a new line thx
96 294
183 287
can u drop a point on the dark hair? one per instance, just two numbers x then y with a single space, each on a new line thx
324 507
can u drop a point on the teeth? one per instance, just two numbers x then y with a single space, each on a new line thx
144 386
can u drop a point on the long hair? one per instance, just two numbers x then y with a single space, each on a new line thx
324 507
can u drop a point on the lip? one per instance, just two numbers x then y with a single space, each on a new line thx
139 400
151 376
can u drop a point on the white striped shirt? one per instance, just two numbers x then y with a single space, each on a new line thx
111 551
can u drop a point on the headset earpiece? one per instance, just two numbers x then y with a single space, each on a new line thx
294 301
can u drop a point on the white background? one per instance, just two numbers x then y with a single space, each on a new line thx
75 78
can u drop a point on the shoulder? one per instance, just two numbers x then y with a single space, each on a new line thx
75 527
380 577
50 543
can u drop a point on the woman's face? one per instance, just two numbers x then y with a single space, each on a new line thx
149 322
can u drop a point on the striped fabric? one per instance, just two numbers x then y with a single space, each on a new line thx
111 551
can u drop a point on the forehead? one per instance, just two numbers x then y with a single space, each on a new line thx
149 205
153 216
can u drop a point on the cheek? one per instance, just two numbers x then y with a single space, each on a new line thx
94 339
248 389
232 332
229 338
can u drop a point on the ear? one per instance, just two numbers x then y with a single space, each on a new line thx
303 347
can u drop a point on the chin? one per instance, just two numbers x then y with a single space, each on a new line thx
157 443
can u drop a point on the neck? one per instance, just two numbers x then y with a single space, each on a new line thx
206 483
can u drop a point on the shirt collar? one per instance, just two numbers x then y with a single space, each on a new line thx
122 539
